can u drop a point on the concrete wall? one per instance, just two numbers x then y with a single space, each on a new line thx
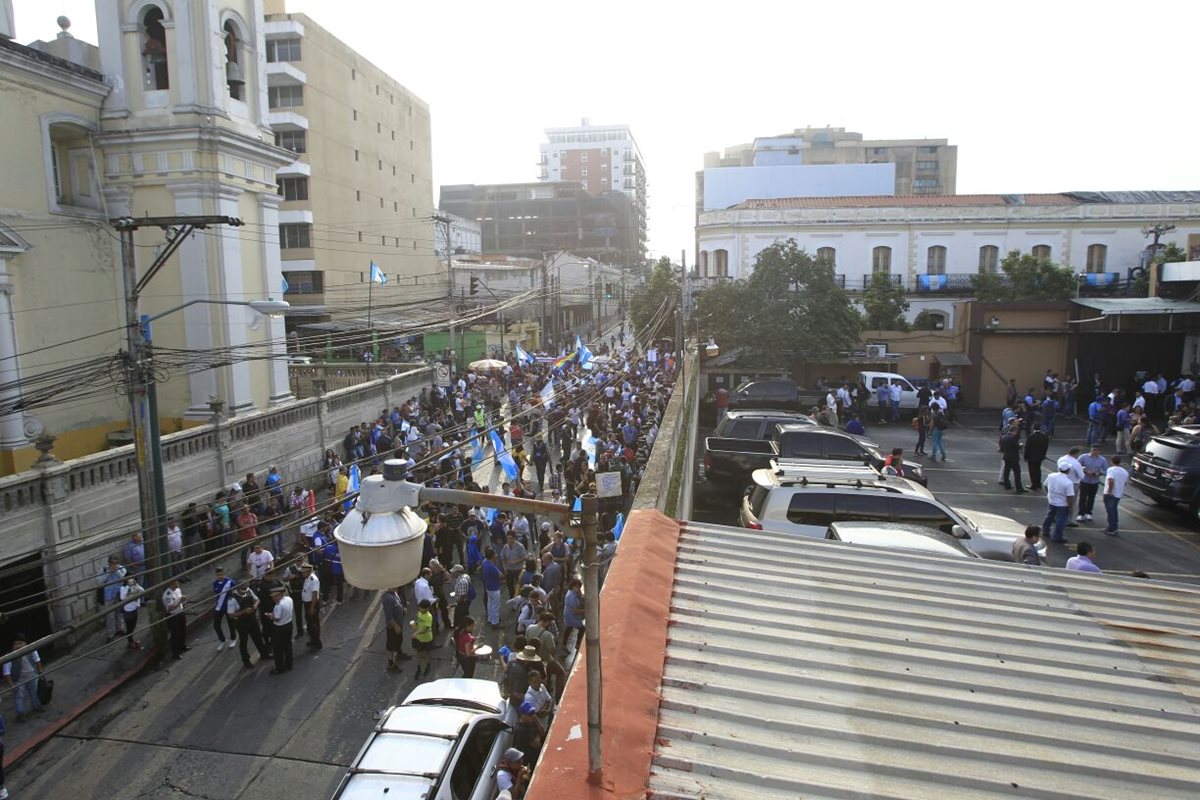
729 186
76 513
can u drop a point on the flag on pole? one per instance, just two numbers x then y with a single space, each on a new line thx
562 362
284 285
522 356
589 447
620 526
547 393
352 487
377 275
504 457
585 355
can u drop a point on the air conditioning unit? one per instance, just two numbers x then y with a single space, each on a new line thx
877 351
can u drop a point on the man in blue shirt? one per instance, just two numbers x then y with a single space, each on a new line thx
493 579
1096 432
1124 423
135 555
1094 467
855 426
883 395
221 587
1049 409
274 482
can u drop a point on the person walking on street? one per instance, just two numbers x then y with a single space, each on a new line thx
221 587
310 599
422 639
939 424
281 630
1074 471
21 675
493 580
1094 467
1060 491
1115 479
1037 444
393 622
242 609
464 644
1025 549
109 580
921 426
172 602
131 600
1010 451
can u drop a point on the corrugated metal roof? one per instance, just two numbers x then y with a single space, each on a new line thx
1139 305
1146 196
804 669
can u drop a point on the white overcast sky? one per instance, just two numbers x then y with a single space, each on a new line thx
1043 96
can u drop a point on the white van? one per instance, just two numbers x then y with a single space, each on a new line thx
872 380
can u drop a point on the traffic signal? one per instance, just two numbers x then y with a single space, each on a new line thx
474 285
607 290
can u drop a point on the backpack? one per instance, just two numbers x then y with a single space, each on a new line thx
940 422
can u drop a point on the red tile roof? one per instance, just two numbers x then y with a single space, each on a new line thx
890 201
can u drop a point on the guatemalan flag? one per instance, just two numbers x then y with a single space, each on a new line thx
352 487
377 275
585 355
547 393
504 457
523 357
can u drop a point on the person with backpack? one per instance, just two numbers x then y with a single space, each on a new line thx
939 424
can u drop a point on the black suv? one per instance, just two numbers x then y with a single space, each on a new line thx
751 424
1168 470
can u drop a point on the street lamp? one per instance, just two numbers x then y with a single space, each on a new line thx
153 436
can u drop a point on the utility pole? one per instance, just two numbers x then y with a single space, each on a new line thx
143 418
589 505
444 220
683 293
545 287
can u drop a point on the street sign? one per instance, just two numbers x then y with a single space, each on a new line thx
608 484
441 374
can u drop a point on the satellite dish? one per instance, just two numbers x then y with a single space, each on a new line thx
33 427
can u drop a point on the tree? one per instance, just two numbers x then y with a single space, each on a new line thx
1167 254
928 321
646 304
884 304
791 305
1024 278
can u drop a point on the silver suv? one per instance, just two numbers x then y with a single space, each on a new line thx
807 498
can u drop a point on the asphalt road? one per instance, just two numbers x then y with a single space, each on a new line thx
204 727
1156 540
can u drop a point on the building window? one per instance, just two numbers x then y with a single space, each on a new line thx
393 170
295 235
293 188
828 254
234 78
72 171
702 267
935 260
379 127
356 155
357 196
285 96
925 183
721 263
925 166
881 260
296 141
1041 252
154 50
1097 258
283 50
930 150
304 282
989 258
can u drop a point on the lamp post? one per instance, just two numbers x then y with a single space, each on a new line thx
143 373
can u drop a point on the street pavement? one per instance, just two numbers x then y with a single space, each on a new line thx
1157 540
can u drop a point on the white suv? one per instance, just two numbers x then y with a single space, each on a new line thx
807 498
442 743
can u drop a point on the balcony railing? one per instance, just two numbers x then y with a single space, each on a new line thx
897 280
953 282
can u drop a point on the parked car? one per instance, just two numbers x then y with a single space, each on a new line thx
900 536
806 498
442 743
775 393
1168 469
752 424
731 461
872 380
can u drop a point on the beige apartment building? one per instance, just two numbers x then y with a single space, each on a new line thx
360 189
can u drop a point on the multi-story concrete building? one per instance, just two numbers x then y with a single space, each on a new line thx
933 245
456 236
360 189
601 158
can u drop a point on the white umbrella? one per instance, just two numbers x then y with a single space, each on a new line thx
488 364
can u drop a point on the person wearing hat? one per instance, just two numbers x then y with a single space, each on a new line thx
1060 490
242 609
528 733
281 628
462 590
310 599
515 681
511 772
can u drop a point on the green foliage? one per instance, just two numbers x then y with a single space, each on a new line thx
884 304
927 321
1168 254
645 304
1024 278
790 307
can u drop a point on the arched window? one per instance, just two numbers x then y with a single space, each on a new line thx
935 260
721 267
881 260
1097 258
154 50
989 258
702 267
1041 252
828 254
234 76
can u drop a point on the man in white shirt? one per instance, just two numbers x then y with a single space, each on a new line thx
174 546
423 590
310 598
281 629
261 562
1074 471
1115 479
894 394
172 600
1059 493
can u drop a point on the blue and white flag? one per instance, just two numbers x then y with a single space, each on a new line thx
585 355
377 275
284 285
504 457
620 526
589 447
352 487
522 356
547 393
476 450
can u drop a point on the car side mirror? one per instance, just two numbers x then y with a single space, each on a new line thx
958 532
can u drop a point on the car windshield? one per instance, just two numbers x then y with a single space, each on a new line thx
1164 452
971 525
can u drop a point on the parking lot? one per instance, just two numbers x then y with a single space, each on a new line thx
1160 541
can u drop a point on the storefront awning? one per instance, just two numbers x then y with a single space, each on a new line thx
953 359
